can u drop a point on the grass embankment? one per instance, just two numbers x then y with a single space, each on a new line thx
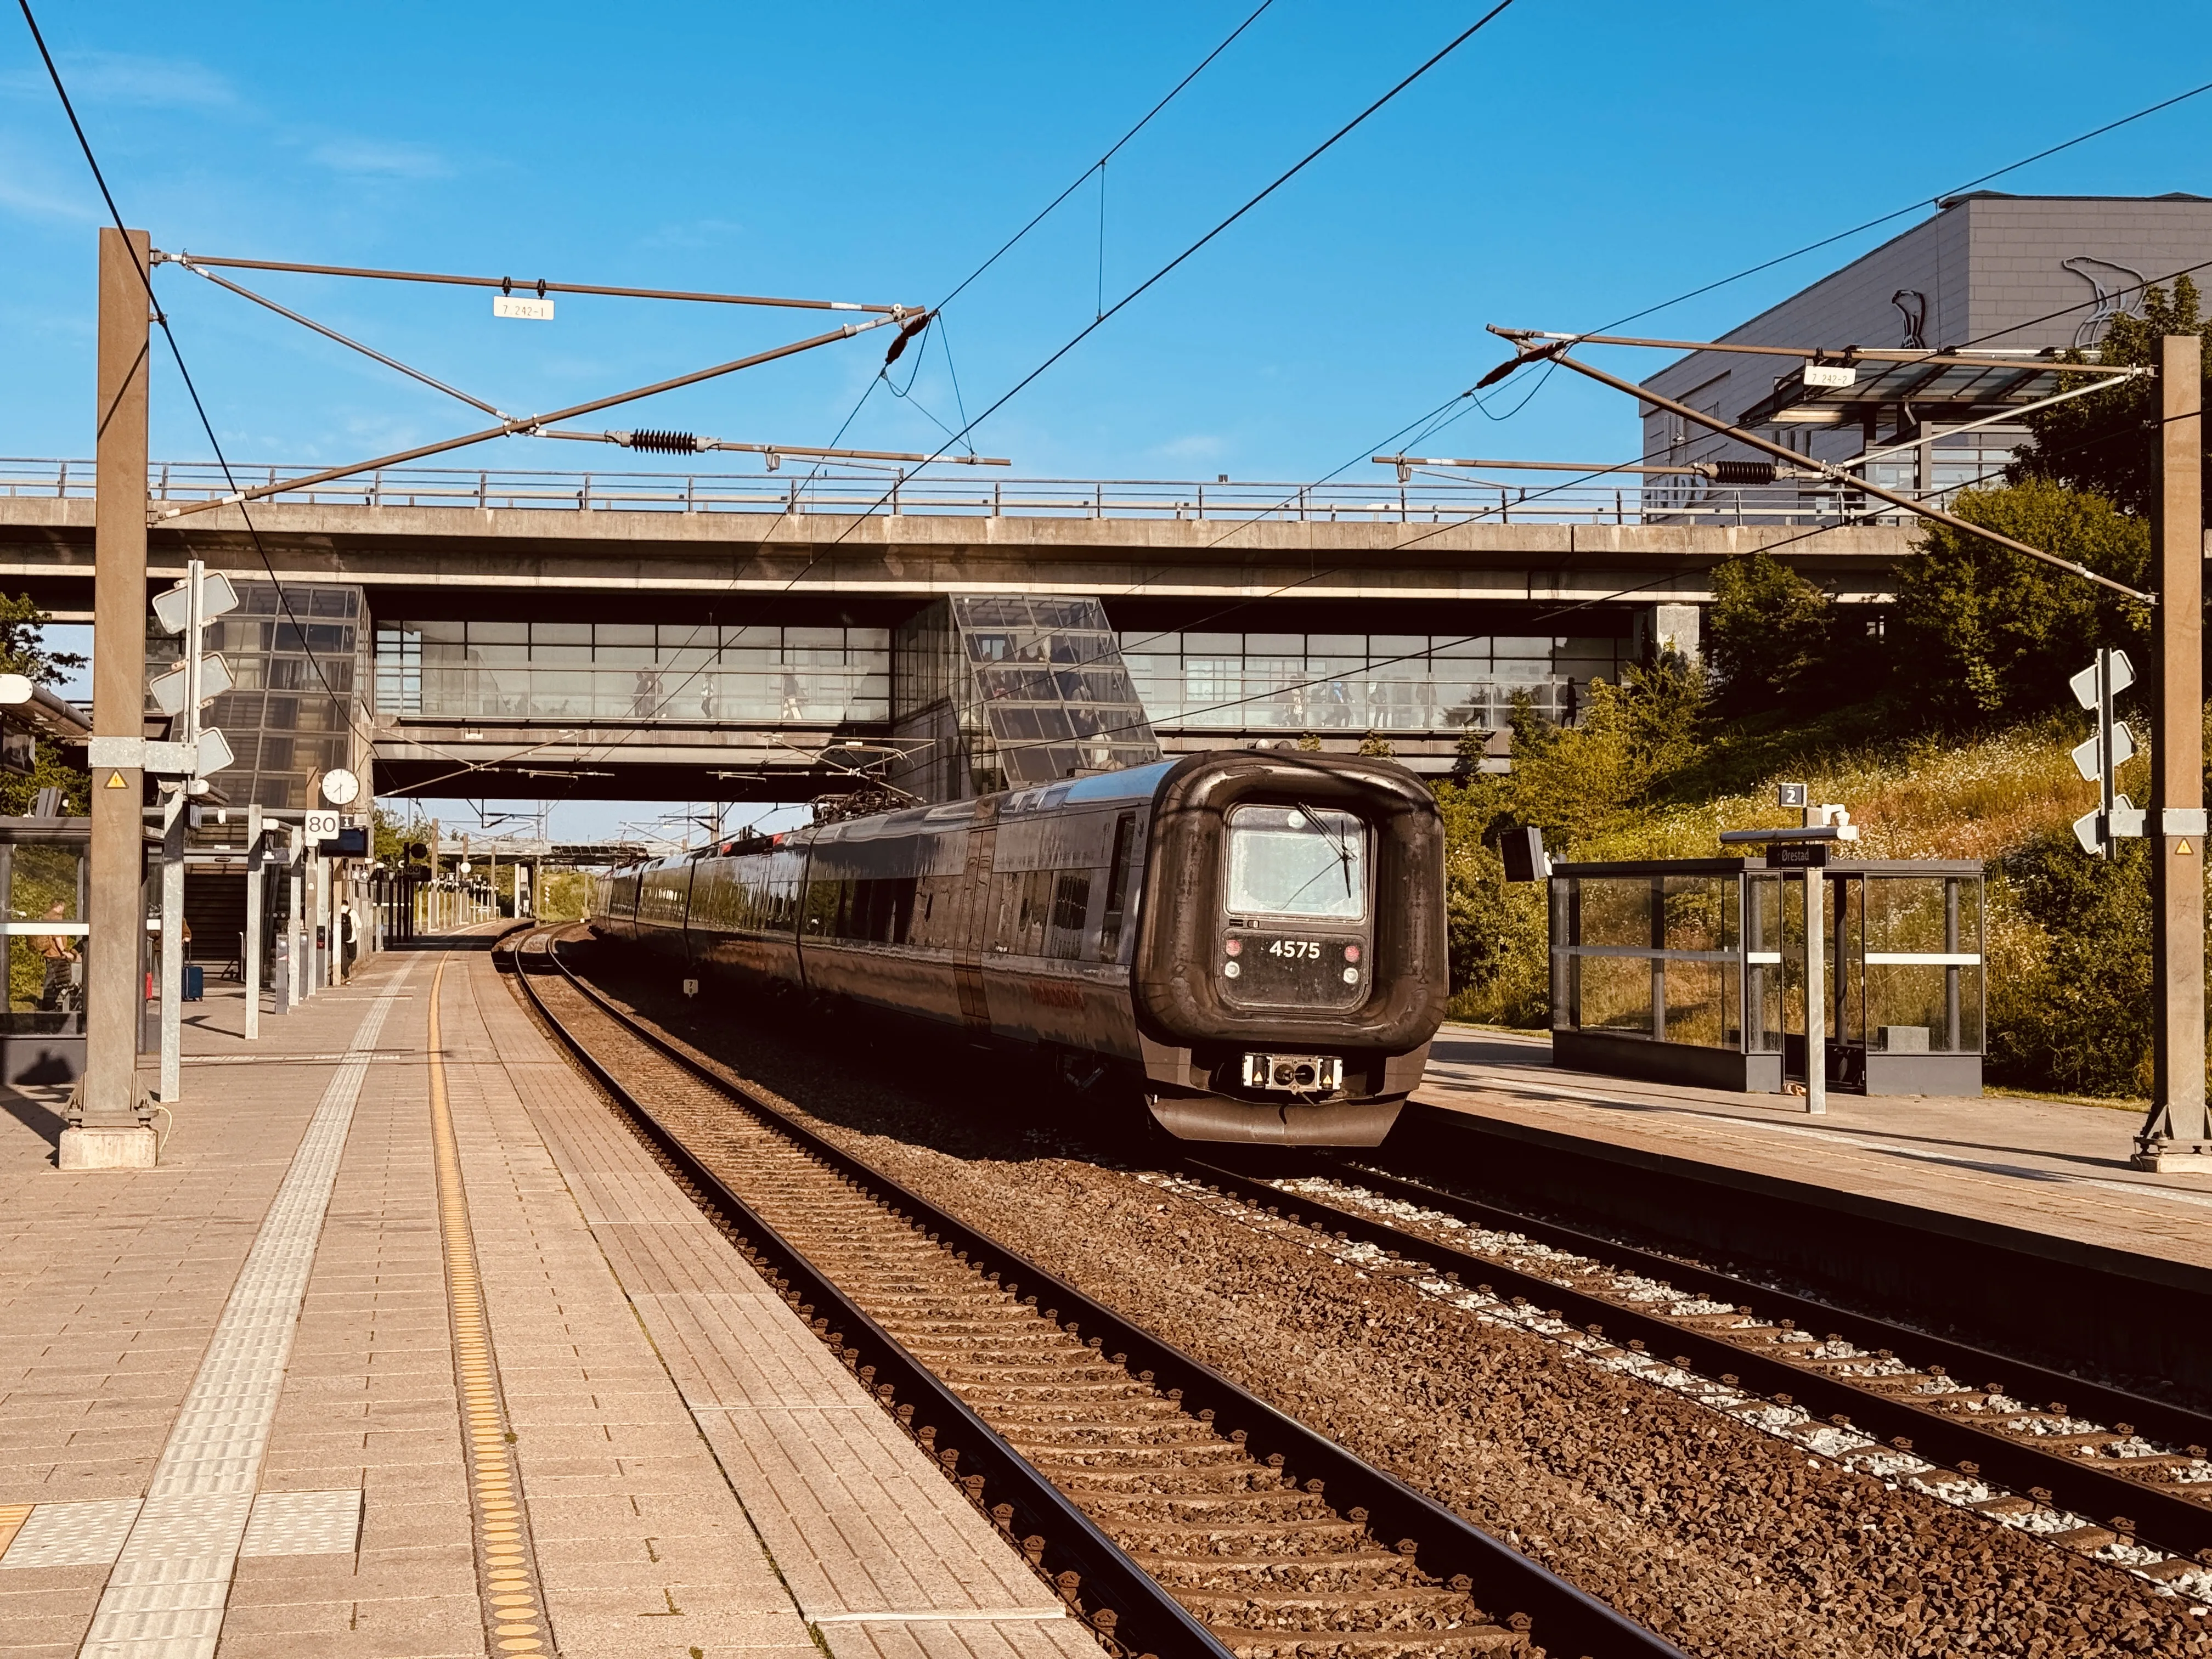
2068 936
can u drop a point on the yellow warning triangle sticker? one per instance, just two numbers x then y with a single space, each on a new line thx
115 782
2182 851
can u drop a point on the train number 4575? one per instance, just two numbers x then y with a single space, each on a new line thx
1297 948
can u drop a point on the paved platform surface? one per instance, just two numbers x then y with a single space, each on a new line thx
235 1418
2048 1167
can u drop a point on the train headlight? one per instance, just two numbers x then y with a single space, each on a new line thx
1230 971
1352 976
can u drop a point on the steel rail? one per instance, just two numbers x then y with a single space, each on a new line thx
2173 1523
1564 1619
1144 1618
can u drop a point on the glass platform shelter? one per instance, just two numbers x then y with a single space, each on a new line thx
1692 971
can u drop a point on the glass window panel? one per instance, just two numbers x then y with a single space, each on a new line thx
499 633
1275 644
450 632
1217 645
560 633
1700 913
1284 861
624 634
816 638
1382 646
1522 647
623 656
1452 644
680 635
1615 993
1616 910
1701 1004
498 656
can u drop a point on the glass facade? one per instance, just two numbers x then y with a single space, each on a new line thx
674 674
42 885
295 709
1000 691
1357 682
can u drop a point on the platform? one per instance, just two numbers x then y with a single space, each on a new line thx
290 1393
2017 1223
2050 1167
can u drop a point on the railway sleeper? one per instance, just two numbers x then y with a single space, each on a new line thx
1364 1569
1081 1480
1284 1541
1211 1509
1411 1608
1260 1643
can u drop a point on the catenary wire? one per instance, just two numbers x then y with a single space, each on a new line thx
1159 275
1911 207
160 318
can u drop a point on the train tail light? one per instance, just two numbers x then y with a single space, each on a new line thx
1304 1074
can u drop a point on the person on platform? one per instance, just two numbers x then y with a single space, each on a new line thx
348 938
59 957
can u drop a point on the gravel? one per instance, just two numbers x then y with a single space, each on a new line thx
1720 1537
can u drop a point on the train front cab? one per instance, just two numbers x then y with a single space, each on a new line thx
1290 964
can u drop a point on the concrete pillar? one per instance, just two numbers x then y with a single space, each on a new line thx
1679 628
106 1128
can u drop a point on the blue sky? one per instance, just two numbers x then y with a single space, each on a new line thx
1573 162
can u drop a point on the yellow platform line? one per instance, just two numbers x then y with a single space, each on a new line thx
12 1516
508 1577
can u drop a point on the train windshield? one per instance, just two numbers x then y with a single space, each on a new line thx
1296 862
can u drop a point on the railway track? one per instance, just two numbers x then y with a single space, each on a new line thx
1175 1511
2088 1467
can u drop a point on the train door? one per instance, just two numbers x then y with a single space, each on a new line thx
976 915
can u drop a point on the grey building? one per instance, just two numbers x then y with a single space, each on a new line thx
2025 276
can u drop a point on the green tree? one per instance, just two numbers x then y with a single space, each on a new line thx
1983 634
2078 1020
23 644
1772 636
23 650
2107 442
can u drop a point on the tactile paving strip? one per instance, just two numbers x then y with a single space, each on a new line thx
514 1601
91 1533
85 1534
165 1595
303 1523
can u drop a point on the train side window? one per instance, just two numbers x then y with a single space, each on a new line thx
1071 908
1117 887
1036 908
822 899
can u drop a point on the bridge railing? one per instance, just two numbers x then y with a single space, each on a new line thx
800 490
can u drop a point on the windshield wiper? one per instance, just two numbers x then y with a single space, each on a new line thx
1343 848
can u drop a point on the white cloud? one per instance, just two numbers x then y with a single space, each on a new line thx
109 77
383 158
1198 446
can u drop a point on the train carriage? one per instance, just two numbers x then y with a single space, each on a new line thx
1254 939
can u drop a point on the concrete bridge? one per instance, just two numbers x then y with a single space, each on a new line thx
654 635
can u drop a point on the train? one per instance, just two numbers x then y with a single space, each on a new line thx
1250 943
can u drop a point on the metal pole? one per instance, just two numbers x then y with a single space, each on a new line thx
250 951
176 821
1816 995
2176 1135
106 1127
295 941
175 817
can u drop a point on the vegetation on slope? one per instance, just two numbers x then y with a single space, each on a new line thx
1941 720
